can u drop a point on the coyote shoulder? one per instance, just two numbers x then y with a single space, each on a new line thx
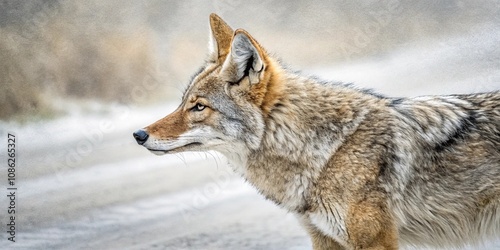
359 170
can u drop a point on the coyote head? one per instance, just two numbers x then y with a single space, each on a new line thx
225 104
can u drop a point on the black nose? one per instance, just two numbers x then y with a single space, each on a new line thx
141 136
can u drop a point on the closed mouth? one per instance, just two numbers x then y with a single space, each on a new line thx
187 146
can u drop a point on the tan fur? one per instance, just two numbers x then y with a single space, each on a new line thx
169 127
360 171
223 34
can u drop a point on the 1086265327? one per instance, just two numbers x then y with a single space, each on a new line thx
11 187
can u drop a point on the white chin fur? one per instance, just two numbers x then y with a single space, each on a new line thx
158 152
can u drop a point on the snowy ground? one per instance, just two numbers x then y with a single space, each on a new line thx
83 183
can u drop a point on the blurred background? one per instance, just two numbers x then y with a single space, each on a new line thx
102 51
78 77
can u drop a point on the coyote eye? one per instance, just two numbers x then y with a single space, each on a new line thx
198 107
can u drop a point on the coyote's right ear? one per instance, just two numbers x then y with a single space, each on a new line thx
220 38
245 60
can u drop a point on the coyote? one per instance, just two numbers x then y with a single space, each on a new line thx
359 170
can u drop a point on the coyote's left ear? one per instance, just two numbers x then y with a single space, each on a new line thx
220 38
246 59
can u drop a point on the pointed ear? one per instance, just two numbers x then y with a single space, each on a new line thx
220 38
246 59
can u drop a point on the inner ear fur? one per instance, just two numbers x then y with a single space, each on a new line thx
246 59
